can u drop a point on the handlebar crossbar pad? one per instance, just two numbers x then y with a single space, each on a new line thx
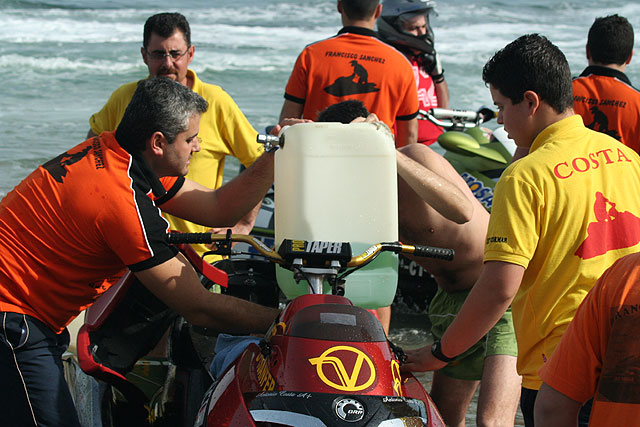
432 252
188 238
315 253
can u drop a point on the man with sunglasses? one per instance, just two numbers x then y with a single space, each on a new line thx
224 130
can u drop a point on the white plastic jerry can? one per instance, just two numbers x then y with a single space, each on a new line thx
338 182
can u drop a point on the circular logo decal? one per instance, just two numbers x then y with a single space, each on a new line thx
349 410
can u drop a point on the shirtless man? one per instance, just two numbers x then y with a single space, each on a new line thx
492 361
431 213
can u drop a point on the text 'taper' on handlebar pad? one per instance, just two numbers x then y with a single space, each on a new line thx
315 253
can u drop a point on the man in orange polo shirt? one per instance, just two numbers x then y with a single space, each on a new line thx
83 216
603 94
597 357
355 64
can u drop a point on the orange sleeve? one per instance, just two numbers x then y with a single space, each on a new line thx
409 106
575 365
296 89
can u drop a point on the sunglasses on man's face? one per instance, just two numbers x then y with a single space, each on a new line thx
160 55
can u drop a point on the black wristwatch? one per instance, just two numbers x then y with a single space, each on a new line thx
436 350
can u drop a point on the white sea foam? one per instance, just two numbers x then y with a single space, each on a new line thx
68 26
268 38
38 64
71 54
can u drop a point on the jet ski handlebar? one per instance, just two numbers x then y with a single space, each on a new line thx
315 253
451 119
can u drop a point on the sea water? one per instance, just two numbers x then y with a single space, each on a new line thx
61 59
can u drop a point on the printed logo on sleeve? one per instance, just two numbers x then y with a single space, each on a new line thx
496 239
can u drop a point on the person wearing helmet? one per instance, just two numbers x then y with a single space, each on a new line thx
491 362
355 64
404 24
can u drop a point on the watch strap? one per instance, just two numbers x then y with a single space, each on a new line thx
436 350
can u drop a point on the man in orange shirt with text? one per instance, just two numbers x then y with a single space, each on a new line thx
603 94
354 64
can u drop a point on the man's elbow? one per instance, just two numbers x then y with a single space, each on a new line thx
463 213
553 408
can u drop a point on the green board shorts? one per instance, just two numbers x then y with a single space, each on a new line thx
500 340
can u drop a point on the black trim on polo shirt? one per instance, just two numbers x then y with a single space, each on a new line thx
362 31
153 224
150 176
293 98
172 191
606 72
157 259
408 117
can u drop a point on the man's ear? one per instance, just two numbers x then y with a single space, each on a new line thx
143 52
629 58
156 144
533 101
339 6
588 53
192 50
378 11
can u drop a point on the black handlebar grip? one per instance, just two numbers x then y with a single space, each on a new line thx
432 252
180 238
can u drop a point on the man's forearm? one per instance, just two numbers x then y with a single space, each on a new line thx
290 110
227 205
238 316
487 302
442 93
244 226
177 285
407 131
243 195
435 190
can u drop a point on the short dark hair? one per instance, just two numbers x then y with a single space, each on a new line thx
610 40
159 104
359 9
164 25
343 112
531 62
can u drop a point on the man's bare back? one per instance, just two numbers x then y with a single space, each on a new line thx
419 223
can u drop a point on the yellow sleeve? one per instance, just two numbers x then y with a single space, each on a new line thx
513 234
107 119
241 136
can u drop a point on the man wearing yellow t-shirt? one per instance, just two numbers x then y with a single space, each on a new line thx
224 130
560 217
